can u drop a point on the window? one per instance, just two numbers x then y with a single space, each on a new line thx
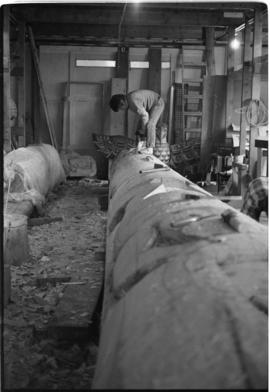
145 64
95 63
112 64
139 64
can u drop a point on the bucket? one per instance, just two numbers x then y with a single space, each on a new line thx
16 247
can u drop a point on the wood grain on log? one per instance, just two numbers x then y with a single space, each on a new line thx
185 303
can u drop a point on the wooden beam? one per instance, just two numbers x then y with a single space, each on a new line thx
213 118
6 78
209 51
230 81
257 55
154 74
246 86
122 62
256 92
41 87
118 120
21 84
111 30
136 17
112 42
122 70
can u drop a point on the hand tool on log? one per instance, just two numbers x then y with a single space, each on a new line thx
157 167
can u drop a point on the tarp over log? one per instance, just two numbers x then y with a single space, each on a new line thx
185 302
31 172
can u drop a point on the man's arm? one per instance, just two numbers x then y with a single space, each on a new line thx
139 109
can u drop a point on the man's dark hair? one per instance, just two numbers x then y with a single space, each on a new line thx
115 101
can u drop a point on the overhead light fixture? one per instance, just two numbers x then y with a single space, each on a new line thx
235 43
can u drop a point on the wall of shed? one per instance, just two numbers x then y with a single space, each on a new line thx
57 65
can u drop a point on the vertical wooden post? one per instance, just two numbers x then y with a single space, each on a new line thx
66 110
256 88
6 79
246 86
230 82
118 120
36 136
154 76
209 51
21 84
122 63
181 135
41 88
122 68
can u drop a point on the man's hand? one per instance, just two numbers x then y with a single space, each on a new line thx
144 116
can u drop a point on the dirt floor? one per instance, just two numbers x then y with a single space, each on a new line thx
44 348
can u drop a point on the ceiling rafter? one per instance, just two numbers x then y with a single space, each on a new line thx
173 22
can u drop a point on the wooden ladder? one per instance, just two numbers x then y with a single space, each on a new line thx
192 94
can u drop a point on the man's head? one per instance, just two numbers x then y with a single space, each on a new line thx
118 102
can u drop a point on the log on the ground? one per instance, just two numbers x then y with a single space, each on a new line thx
185 302
30 173
35 167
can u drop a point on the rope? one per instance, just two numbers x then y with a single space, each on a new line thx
255 111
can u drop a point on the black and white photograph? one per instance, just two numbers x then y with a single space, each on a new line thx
135 195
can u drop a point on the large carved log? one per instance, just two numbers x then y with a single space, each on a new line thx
185 303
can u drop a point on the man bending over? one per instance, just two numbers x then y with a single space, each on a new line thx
148 105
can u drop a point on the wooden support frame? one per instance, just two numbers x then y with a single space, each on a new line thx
121 87
21 86
6 79
118 120
182 61
41 87
256 91
209 51
230 81
154 75
246 86
122 62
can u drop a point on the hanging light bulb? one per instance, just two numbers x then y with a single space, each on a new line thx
235 43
